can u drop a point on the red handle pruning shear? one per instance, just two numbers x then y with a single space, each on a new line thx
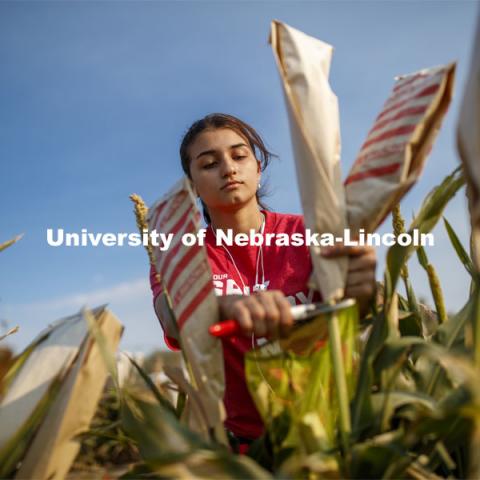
300 313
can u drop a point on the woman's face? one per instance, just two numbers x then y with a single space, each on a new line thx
223 169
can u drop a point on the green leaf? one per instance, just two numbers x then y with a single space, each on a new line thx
424 222
383 325
451 332
400 399
435 202
393 351
379 454
450 335
363 416
460 250
181 401
413 304
152 387
410 325
422 257
476 328
171 450
388 367
160 437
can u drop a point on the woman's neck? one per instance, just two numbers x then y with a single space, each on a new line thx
240 221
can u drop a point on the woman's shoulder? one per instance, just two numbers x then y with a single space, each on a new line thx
284 222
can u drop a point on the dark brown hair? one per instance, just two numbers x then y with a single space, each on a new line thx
222 120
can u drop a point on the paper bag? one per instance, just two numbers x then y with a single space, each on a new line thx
468 140
186 276
304 64
394 153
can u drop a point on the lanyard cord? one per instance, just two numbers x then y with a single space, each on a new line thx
236 268
255 288
259 259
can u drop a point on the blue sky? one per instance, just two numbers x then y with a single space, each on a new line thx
95 97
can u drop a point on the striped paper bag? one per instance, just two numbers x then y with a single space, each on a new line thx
468 140
304 65
186 276
394 153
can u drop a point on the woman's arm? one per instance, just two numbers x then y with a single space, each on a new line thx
267 313
361 272
165 317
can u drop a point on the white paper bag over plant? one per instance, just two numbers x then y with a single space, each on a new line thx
468 137
304 64
395 151
389 163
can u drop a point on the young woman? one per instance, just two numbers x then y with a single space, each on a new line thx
224 158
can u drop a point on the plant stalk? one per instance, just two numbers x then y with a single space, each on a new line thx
340 380
476 331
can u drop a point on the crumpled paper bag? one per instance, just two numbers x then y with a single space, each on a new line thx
468 141
395 151
304 64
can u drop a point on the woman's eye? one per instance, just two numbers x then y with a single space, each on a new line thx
208 166
239 157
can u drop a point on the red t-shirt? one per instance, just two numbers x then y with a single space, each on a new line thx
285 268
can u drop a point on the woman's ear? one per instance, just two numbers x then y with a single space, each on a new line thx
259 172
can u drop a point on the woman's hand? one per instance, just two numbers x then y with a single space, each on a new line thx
265 314
361 272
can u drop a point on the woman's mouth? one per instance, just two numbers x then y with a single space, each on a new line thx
231 185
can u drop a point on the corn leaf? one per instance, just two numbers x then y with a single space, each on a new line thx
422 257
372 458
388 367
451 333
413 304
383 327
435 202
152 387
393 351
476 328
173 451
439 427
362 412
424 222
401 398
161 438
460 250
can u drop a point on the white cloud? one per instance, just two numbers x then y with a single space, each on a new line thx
130 301
125 291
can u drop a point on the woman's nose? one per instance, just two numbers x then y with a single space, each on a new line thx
228 167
